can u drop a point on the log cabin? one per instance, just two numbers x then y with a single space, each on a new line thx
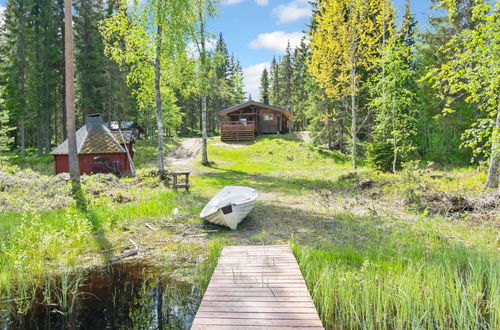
100 150
245 121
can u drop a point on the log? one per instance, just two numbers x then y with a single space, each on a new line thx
126 254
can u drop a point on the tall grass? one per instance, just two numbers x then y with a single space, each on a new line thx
207 267
414 286
35 246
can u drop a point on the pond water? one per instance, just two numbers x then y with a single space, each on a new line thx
123 296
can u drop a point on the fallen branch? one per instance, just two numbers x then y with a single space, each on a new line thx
13 300
197 235
126 254
151 227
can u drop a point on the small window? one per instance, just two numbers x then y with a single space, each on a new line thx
101 159
268 116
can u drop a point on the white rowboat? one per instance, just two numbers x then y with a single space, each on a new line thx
230 205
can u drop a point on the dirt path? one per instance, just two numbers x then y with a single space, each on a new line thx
183 156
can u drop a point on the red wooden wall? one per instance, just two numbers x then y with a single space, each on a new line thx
88 165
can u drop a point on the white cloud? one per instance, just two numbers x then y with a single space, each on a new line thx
2 10
192 49
235 2
292 11
251 78
231 2
277 40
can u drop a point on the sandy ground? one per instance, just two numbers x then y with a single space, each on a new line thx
184 155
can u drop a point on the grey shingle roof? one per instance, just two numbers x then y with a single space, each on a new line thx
97 140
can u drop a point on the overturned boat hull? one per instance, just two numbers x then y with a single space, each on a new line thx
230 206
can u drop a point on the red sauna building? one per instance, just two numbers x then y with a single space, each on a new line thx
100 150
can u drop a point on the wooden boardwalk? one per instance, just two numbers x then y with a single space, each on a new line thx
257 287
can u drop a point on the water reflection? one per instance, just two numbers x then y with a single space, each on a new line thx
122 296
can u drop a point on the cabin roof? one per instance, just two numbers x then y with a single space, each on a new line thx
226 111
128 136
95 138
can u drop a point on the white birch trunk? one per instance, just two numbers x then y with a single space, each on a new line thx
159 111
494 168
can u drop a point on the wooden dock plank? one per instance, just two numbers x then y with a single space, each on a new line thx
257 287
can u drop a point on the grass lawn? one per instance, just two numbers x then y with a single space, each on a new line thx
372 258
376 250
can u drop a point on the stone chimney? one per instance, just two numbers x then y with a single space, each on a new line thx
92 121
266 100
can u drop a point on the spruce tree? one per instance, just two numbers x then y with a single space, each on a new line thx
275 91
299 95
264 86
285 77
89 57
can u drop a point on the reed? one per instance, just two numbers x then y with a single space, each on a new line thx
413 286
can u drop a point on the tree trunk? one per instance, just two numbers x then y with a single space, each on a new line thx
23 139
204 154
74 170
159 113
394 141
494 168
353 114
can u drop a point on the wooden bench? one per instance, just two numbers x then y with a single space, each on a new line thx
176 184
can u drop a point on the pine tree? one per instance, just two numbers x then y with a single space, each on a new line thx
74 170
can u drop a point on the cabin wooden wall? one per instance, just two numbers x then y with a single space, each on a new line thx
268 126
87 164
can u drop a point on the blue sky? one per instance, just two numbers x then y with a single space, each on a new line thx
255 30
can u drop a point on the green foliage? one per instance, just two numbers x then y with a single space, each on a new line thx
476 45
264 86
380 155
396 103
5 138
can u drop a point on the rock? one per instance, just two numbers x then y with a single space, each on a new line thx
433 166
366 184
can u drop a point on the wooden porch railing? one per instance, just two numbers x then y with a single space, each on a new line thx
237 131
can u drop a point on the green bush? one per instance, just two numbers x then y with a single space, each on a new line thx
380 155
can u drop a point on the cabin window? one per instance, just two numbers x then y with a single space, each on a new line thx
243 121
268 116
101 159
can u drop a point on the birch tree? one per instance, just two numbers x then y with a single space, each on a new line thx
345 44
475 71
151 38
204 9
